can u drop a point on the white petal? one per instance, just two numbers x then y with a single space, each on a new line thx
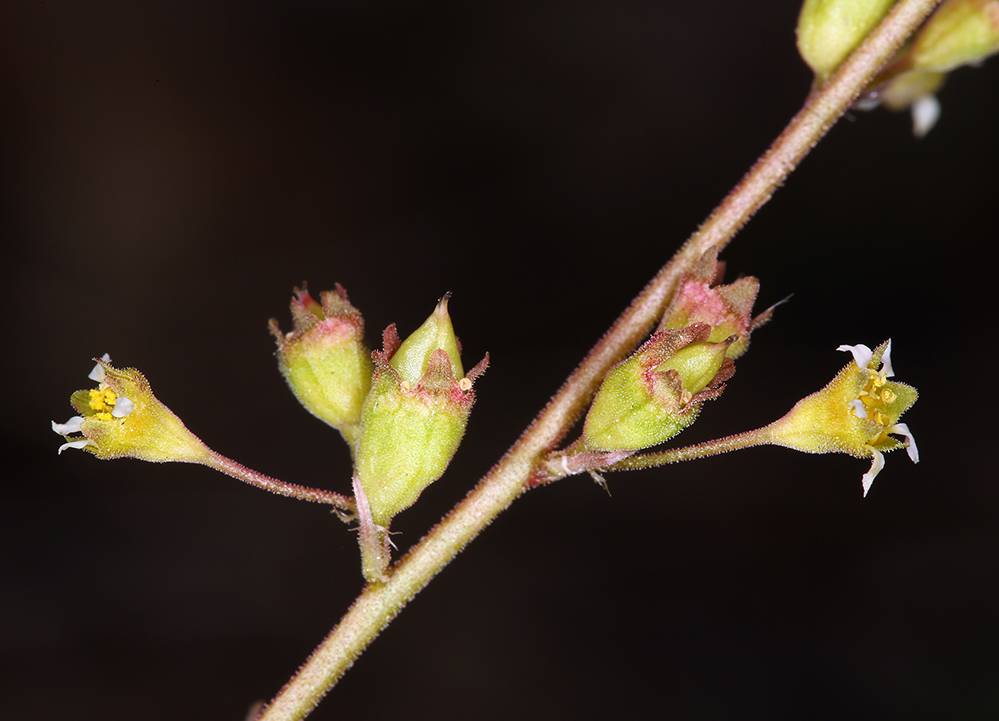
867 104
71 426
122 407
925 113
74 444
861 354
903 430
858 408
877 463
97 374
886 362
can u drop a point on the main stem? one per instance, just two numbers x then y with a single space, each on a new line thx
378 604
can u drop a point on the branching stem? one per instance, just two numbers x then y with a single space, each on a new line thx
736 442
248 475
378 604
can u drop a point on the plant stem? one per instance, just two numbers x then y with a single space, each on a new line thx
317 495
746 439
379 603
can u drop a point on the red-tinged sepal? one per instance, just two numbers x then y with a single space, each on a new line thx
727 309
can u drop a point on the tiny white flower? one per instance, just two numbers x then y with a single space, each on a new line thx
857 413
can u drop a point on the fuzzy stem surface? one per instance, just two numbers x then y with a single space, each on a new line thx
248 475
706 449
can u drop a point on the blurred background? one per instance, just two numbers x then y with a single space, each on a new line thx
170 171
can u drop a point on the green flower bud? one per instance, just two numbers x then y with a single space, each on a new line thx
413 357
324 359
414 416
657 392
829 30
958 33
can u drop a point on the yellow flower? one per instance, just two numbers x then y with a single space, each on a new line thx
857 413
121 418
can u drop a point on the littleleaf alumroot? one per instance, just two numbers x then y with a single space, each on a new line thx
959 33
856 413
400 447
656 393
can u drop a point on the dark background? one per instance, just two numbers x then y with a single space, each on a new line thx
171 170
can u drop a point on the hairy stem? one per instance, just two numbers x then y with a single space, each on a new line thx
736 442
248 475
378 604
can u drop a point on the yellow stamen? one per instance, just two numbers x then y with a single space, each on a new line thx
102 402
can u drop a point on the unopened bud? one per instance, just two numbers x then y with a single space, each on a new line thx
829 30
414 416
413 357
324 359
657 392
958 33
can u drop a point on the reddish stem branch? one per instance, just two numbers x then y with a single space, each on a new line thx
304 493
